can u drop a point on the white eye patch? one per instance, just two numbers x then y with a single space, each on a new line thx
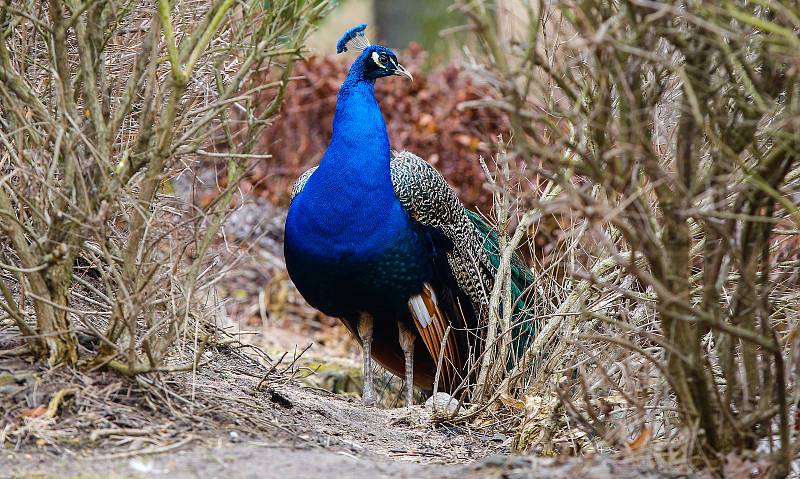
377 59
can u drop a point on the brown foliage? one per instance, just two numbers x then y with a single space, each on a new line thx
422 116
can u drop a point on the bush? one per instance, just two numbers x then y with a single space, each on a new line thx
668 132
100 107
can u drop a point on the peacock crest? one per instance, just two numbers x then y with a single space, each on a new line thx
355 38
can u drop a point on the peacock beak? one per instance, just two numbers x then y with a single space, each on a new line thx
402 72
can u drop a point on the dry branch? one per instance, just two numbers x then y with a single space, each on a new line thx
104 109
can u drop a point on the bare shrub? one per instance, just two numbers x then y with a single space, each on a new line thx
667 136
102 106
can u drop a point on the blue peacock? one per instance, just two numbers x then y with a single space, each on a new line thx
380 240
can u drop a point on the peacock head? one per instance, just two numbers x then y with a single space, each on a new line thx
375 61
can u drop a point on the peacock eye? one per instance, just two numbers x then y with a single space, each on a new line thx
384 58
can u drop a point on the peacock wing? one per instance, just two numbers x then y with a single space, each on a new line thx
300 183
463 271
429 200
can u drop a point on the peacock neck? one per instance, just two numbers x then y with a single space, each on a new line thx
348 208
359 144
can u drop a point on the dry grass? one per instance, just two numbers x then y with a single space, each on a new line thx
657 136
104 107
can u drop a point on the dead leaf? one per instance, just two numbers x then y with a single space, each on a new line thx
641 439
739 467
35 412
512 403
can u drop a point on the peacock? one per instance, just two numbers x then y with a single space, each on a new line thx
380 240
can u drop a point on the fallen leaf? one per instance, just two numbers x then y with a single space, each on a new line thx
512 403
641 439
35 412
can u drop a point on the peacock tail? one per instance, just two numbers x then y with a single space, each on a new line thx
525 327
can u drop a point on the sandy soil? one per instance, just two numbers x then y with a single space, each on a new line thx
265 462
235 429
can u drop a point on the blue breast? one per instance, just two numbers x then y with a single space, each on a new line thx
349 244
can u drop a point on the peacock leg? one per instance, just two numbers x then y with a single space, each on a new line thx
365 333
407 337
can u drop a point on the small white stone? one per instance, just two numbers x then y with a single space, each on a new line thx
140 465
145 466
443 402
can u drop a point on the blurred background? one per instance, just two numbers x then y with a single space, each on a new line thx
394 24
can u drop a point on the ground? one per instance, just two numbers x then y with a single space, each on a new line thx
236 417
266 462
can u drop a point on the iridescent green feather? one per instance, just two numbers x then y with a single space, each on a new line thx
521 284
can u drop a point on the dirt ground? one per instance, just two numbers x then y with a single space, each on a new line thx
266 462
236 418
